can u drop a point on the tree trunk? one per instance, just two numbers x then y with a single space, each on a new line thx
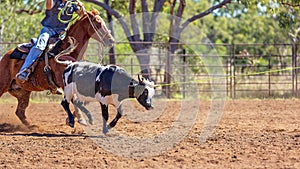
112 50
144 61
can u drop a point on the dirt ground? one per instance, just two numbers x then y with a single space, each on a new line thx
251 134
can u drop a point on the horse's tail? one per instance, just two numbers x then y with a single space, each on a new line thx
70 49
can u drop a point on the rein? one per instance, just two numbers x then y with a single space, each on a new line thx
100 36
98 33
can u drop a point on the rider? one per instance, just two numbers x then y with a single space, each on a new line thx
52 26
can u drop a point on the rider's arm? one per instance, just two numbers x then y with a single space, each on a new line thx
49 4
81 10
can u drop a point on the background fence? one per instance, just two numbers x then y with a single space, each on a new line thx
249 70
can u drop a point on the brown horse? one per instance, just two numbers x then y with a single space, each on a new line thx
88 25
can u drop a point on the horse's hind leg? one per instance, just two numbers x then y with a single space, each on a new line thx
4 84
23 101
5 74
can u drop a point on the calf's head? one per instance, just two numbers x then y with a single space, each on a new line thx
144 93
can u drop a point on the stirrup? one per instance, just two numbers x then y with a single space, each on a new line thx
27 71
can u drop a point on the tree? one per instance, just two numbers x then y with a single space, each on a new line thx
15 25
145 36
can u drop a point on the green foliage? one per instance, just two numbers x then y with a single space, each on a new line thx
186 56
242 21
262 65
286 20
18 26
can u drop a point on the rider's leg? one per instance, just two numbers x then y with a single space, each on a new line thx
32 56
35 52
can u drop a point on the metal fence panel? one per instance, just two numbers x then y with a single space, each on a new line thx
250 70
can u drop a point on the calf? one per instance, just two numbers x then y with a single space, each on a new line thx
84 81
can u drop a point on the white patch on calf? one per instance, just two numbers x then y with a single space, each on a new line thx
110 99
67 75
69 91
150 87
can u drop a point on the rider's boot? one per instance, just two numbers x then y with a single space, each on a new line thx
23 74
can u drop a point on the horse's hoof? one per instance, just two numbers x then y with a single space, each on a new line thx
57 91
33 127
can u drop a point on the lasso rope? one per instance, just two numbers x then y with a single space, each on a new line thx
100 38
64 9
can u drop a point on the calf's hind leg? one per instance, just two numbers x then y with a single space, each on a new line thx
81 106
78 113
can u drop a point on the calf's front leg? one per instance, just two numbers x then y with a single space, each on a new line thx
66 106
104 109
115 120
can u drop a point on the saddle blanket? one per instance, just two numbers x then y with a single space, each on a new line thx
22 50
17 54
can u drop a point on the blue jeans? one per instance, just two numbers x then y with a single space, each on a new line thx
36 50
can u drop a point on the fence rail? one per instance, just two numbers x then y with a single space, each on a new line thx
249 70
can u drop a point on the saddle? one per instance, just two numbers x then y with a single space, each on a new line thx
25 47
22 50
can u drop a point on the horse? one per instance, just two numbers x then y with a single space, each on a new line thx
88 25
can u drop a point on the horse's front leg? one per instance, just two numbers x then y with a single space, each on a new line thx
104 109
66 106
118 116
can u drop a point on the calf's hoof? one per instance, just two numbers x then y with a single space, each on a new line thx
105 130
82 122
91 121
70 122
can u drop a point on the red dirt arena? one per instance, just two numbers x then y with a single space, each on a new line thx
251 134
